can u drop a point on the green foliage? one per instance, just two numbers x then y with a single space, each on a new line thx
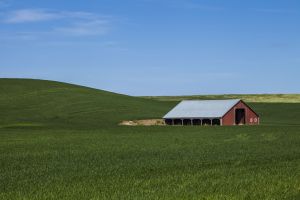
60 141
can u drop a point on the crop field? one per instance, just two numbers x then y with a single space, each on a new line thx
256 98
62 141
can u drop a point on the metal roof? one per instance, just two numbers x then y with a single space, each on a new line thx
201 108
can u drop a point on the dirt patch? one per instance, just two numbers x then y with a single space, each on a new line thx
144 122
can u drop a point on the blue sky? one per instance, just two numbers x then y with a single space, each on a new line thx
155 47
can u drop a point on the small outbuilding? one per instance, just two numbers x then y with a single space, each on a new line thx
212 112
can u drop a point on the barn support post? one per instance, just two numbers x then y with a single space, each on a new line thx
192 122
211 122
201 122
181 122
173 122
221 122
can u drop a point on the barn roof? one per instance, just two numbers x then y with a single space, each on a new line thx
201 108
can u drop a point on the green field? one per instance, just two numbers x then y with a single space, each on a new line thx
61 141
255 98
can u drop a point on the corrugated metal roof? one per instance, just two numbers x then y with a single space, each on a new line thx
201 109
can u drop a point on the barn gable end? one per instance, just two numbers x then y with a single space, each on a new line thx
251 117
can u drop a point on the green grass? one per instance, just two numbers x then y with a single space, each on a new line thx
60 105
60 141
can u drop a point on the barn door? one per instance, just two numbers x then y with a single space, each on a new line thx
240 116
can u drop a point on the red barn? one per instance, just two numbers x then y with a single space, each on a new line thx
212 112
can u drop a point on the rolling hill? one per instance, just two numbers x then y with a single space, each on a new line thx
41 103
25 102
62 141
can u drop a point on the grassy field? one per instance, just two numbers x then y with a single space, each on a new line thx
61 141
257 98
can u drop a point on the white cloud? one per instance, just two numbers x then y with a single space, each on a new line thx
64 22
29 15
92 27
38 15
78 15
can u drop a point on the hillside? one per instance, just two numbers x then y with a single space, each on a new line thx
62 141
25 103
38 103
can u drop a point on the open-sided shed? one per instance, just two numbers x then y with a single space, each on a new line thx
212 112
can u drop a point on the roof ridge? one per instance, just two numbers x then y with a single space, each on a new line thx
211 99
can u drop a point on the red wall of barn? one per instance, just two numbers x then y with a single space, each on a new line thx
251 117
